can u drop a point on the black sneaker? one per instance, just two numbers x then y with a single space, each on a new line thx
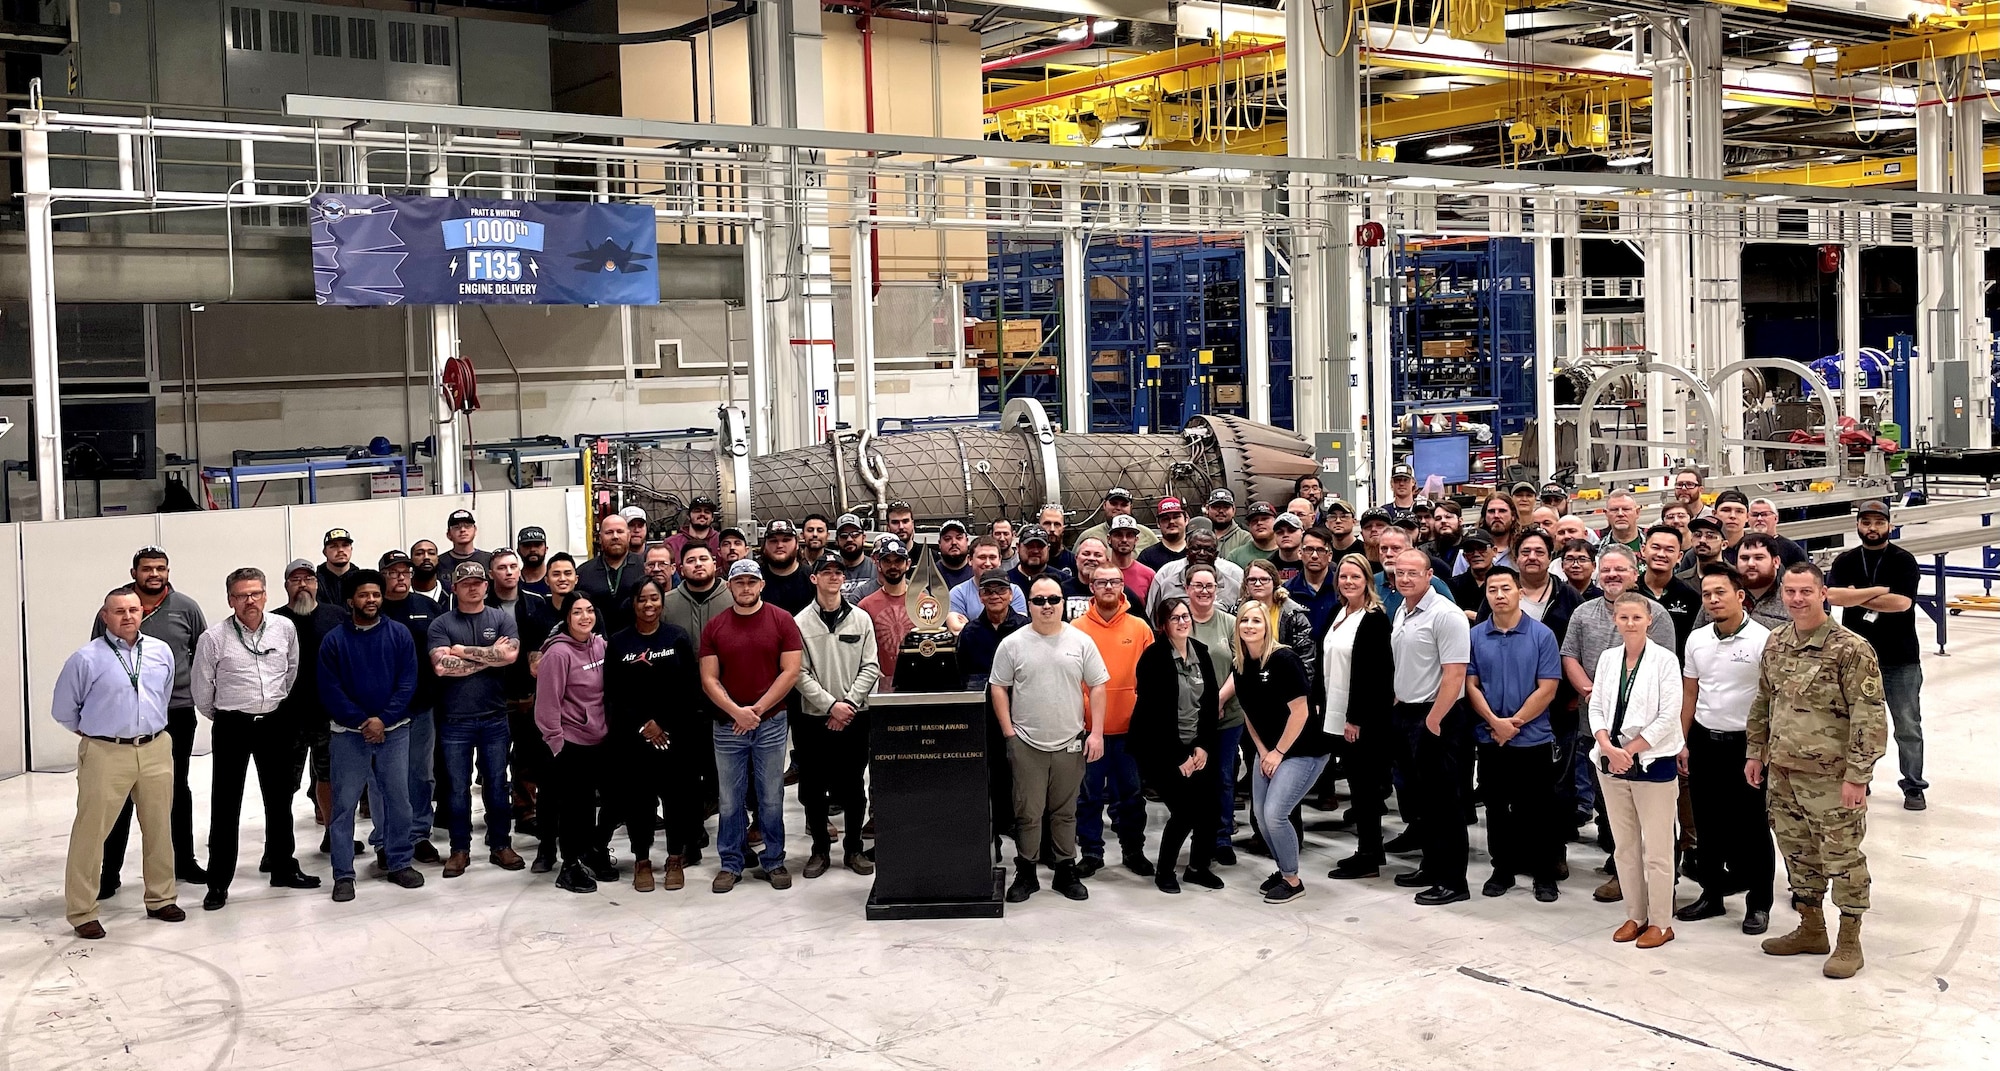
1497 885
601 867
1914 801
574 878
1276 879
1285 892
1137 863
1204 878
1356 866
1546 892
1225 856
1088 866
343 890
1166 882
215 900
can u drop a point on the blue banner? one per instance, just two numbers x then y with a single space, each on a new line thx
372 250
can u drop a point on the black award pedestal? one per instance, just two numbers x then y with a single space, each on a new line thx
933 820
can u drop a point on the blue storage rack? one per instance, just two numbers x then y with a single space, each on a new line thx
1156 306
1480 296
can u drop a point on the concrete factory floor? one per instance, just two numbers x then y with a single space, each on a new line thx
499 970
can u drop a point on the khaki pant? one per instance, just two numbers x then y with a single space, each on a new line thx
1045 789
1642 828
106 774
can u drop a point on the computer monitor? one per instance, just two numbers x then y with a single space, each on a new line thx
1448 457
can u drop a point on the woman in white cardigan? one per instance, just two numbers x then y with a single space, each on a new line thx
1635 714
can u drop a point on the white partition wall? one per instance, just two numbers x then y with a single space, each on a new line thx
67 566
424 516
13 693
549 509
376 525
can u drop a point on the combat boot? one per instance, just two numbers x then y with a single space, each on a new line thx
1846 959
1809 938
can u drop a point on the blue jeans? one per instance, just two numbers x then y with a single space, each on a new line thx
383 769
1274 797
459 737
423 778
1114 780
1900 685
1224 760
758 754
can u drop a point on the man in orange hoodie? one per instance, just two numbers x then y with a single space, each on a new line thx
1113 779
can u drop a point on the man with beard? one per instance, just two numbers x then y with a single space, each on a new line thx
1757 563
338 547
1446 530
788 585
1172 546
1202 550
368 672
1034 548
1091 554
610 577
698 528
471 646
635 529
1118 503
851 541
533 543
416 613
692 602
460 530
1112 779
954 553
659 566
1309 488
1052 522
424 579
750 658
814 533
1555 496
1688 489
1339 524
1875 584
1402 492
1373 523
1764 518
535 617
885 605
1262 520
1124 543
1291 533
733 546
177 622
1220 509
312 620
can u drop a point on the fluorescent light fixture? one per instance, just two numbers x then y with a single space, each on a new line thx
1447 150
1588 191
1633 160
1121 141
1423 182
1768 198
1121 128
1077 31
1226 174
1872 125
1504 187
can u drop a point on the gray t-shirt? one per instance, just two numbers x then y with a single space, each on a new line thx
1591 632
1048 675
483 694
1426 638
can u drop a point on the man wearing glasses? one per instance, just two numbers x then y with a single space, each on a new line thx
1203 549
1040 677
1313 587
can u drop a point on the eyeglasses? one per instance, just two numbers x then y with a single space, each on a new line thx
1107 583
1181 619
1201 587
1248 580
1315 550
1045 600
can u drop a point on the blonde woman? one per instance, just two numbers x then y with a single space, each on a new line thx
1355 686
1636 718
1292 751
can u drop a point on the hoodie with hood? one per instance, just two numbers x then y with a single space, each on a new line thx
569 691
1120 638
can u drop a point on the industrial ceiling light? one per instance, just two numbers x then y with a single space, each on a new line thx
1077 31
1447 150
1121 128
1632 160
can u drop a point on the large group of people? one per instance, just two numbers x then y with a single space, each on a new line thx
1681 686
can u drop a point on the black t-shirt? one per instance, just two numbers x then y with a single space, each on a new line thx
652 678
1894 636
1468 591
1287 569
1681 602
1157 556
1267 694
791 592
954 577
416 613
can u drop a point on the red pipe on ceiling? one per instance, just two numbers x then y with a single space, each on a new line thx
1088 39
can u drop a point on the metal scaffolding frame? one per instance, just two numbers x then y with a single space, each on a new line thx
756 180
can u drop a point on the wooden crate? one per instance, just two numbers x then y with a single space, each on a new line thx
1447 347
1021 336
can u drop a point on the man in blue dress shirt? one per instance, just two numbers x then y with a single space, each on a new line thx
113 694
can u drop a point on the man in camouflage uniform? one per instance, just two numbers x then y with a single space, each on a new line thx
1818 725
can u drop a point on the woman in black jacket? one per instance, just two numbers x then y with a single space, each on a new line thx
650 671
1356 687
1173 736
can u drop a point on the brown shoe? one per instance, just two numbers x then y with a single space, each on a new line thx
725 880
1654 937
642 876
1609 892
455 864
1627 933
858 863
169 913
508 859
91 931
676 877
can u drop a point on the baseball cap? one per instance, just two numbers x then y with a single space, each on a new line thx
1376 515
1289 519
1733 495
1118 492
780 528
1706 524
1262 509
1873 505
458 517
632 513
891 547
1397 472
1033 534
1554 490
1407 523
1337 505
1122 522
993 576
702 502
389 558
898 506
1522 487
1168 505
530 536
737 532
1222 496
829 561
298 564
953 523
464 571
336 535
1478 537
846 521
743 567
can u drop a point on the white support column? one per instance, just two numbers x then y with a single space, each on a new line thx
449 453
1668 271
1850 327
1717 242
1075 314
756 301
1257 328
1329 345
1937 304
1975 332
861 321
1381 406
44 369
1542 371
789 89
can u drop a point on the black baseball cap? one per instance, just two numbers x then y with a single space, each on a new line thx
1376 515
829 561
1478 537
458 517
392 557
1873 505
1406 523
530 536
1034 534
702 502
1261 509
1222 496
1705 524
337 535
994 576
1554 490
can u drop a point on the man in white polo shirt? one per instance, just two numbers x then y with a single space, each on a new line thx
1720 670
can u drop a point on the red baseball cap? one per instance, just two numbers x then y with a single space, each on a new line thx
1168 505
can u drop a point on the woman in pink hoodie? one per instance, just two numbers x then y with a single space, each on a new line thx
569 711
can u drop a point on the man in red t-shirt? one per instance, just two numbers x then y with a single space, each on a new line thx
887 607
750 659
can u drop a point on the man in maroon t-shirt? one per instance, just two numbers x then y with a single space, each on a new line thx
750 659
